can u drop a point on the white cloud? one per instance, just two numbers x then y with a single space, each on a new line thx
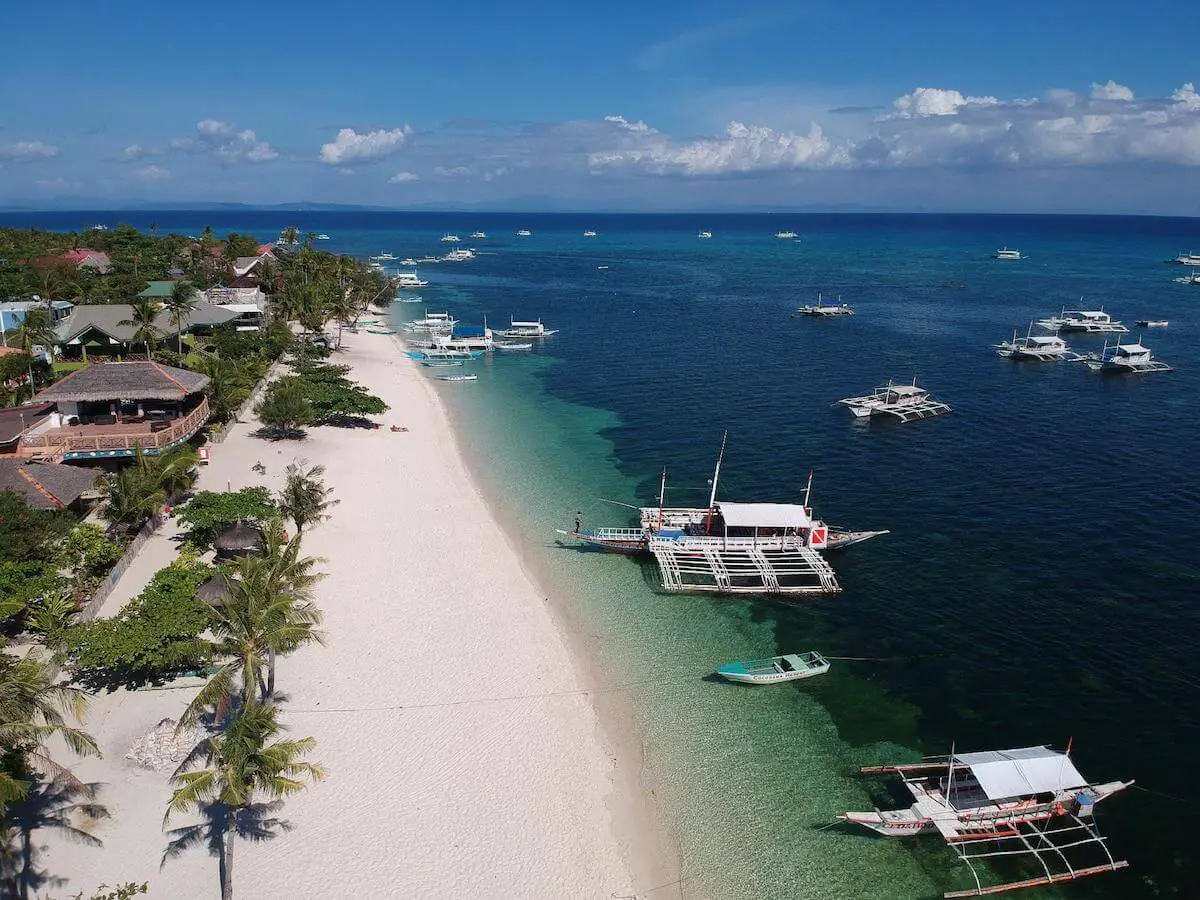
404 177
28 151
350 145
936 102
1186 95
135 152
452 172
1111 91
150 174
226 143
635 127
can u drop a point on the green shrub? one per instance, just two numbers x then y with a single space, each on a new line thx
210 512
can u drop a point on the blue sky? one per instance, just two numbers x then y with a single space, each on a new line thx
934 105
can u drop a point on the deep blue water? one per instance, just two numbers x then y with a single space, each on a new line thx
1040 582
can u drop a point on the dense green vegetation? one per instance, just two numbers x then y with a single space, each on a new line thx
209 513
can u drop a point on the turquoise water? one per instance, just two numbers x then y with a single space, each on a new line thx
1039 584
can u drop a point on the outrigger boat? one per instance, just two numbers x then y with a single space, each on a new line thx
1187 258
1029 802
517 329
905 402
1039 347
456 377
432 323
1088 321
1153 323
822 310
788 667
441 363
1125 359
1014 255
1189 278
730 548
510 345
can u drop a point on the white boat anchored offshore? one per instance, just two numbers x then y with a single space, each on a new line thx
322 237
1005 253
789 667
905 402
823 310
589 233
478 236
384 257
1153 323
459 254
456 377
432 323
729 548
1000 804
704 235
1126 359
511 345
1188 259
450 239
1189 278
524 232
1038 347
785 235
517 329
408 280
1087 321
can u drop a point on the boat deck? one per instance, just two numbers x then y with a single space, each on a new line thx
689 566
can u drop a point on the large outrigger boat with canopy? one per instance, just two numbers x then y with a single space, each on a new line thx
1030 802
730 548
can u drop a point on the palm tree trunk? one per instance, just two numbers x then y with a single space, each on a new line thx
270 675
227 874
179 339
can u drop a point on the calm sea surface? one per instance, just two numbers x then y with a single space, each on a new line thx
1040 582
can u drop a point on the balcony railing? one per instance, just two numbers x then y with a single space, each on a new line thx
60 441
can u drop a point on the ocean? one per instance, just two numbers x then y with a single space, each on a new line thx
1039 582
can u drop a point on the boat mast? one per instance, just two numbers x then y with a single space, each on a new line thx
950 778
712 498
662 495
808 492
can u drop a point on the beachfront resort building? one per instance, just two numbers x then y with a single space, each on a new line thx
48 485
108 410
99 330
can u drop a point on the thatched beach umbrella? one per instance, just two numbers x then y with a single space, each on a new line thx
214 591
240 540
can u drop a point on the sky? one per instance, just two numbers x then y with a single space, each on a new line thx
1057 105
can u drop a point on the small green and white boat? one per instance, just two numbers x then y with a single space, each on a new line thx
778 668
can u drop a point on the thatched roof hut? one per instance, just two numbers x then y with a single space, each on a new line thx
240 540
214 591
102 382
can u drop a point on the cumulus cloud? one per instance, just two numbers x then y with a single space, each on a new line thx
636 127
226 143
939 127
404 177
134 152
353 146
28 151
936 102
1111 91
151 173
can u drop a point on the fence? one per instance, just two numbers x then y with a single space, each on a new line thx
91 607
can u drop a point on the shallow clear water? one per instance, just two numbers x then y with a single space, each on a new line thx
1040 581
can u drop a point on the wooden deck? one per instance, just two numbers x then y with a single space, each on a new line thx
120 439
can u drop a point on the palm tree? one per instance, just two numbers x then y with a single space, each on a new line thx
33 708
133 496
180 305
227 386
174 470
304 497
242 762
35 330
344 310
145 311
269 611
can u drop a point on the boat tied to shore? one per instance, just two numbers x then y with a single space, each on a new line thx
905 402
789 667
729 548
1030 802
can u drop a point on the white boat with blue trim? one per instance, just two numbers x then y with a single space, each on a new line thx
789 667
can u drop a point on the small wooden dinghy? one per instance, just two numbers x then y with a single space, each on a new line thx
778 668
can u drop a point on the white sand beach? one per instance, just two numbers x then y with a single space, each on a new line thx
464 757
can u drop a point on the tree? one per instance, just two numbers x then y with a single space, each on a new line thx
212 511
180 305
269 611
139 491
145 331
33 709
25 532
242 763
227 387
304 498
36 330
285 408
344 310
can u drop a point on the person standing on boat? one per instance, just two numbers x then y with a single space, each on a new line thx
578 521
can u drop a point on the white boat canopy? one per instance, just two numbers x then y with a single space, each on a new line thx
1003 774
765 515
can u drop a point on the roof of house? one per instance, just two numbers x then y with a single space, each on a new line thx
243 281
266 249
96 259
244 264
158 289
9 351
46 485
107 319
15 419
26 305
125 381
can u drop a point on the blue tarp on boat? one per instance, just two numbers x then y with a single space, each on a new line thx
468 331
